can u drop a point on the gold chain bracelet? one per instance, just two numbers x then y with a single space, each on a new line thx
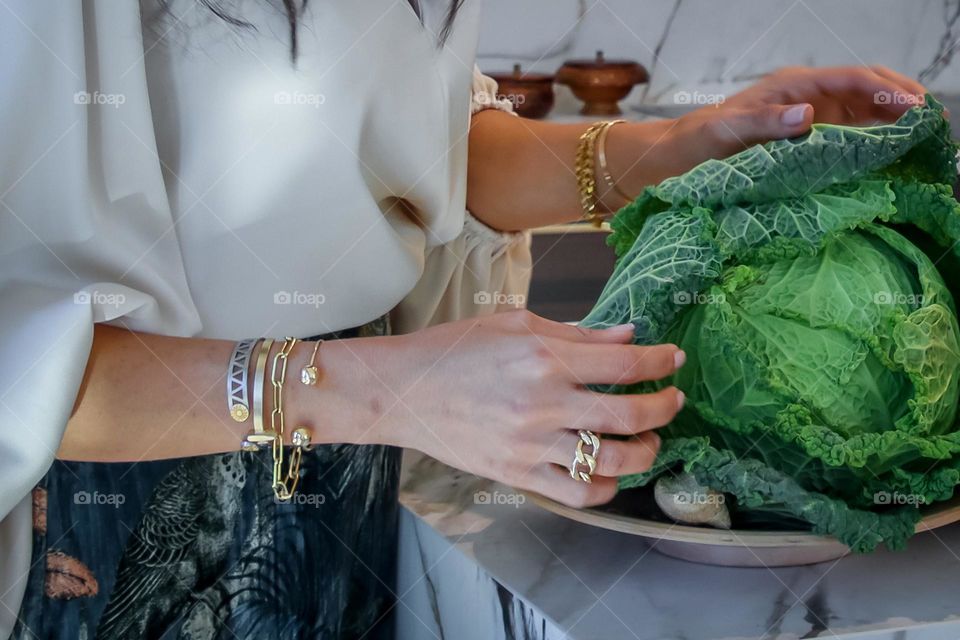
285 483
585 170
586 174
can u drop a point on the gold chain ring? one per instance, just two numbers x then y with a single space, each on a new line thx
584 459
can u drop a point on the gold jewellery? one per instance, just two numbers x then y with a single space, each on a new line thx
592 147
583 458
602 158
285 479
309 374
258 437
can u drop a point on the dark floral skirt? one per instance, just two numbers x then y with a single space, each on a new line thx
199 548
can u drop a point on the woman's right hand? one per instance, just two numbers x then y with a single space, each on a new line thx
503 397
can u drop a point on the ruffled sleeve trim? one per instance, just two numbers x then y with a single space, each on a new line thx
486 95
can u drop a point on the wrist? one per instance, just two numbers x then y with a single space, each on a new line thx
640 154
351 400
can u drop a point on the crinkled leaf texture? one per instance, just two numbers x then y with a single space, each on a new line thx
823 346
760 487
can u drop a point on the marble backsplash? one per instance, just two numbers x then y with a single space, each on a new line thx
717 47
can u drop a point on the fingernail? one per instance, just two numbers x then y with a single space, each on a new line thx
624 326
681 399
656 440
794 115
679 359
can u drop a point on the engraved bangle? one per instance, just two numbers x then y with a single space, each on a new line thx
237 387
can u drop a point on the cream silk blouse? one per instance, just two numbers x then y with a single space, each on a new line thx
173 174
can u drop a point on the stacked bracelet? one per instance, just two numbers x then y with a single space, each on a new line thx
592 141
284 479
586 174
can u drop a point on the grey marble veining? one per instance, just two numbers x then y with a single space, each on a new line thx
589 584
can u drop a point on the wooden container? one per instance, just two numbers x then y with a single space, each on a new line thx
530 93
601 83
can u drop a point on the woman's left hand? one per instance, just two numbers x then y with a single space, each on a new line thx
784 104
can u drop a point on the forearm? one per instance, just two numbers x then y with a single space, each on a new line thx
521 172
150 397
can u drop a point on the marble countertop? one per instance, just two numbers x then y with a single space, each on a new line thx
595 584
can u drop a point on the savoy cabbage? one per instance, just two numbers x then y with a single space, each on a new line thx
805 279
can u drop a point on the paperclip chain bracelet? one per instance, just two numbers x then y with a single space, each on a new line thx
285 480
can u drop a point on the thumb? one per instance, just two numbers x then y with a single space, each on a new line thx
760 124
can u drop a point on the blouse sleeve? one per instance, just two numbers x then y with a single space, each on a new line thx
486 95
83 200
481 271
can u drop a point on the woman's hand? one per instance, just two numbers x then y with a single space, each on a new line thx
504 396
521 172
782 105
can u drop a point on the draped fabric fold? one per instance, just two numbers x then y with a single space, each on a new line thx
68 258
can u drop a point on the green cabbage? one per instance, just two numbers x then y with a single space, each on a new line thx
804 279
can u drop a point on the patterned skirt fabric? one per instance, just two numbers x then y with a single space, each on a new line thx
199 548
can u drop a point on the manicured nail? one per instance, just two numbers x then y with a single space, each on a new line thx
679 359
794 115
681 399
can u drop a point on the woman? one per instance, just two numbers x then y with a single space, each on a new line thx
186 174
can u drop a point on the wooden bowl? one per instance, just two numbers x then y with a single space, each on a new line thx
601 83
530 93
